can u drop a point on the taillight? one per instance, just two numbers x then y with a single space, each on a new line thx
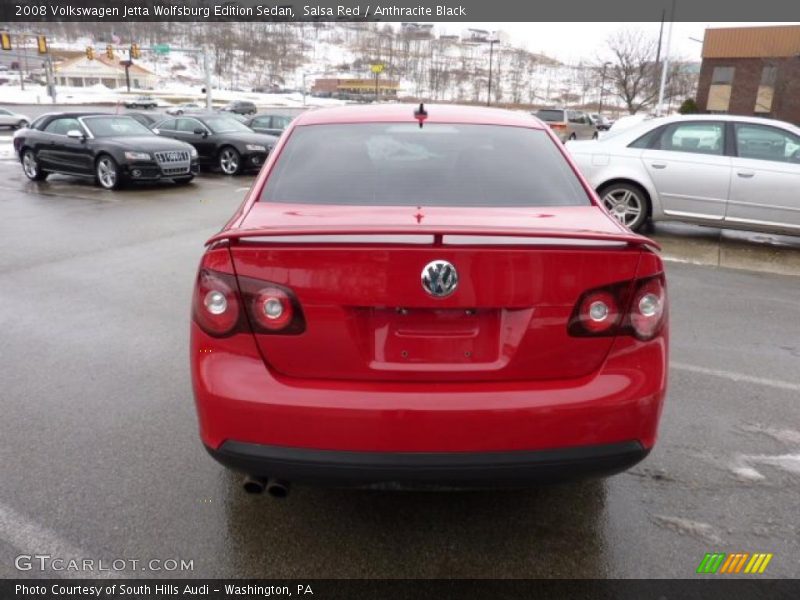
272 309
224 304
558 125
635 308
216 303
648 306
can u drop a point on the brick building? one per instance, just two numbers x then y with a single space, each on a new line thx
751 71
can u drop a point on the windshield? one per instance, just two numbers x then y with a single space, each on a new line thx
226 125
115 127
384 164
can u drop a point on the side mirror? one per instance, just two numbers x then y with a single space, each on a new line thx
200 131
75 134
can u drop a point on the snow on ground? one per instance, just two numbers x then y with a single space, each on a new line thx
167 95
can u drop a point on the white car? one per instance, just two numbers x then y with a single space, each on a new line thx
719 170
13 120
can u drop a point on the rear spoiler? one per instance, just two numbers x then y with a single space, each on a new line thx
492 235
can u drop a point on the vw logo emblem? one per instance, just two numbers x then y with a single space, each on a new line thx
439 278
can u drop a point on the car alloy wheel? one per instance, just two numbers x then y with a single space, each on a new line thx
31 166
626 204
229 161
107 173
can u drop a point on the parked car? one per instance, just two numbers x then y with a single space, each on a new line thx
268 123
112 149
220 141
242 107
186 107
13 120
718 170
408 302
601 122
568 124
144 102
146 119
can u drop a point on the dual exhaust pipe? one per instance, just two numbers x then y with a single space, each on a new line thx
277 488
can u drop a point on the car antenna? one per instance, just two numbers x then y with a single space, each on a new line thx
421 114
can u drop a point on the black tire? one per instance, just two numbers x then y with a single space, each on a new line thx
595 135
183 180
573 137
22 124
106 172
628 202
229 160
30 165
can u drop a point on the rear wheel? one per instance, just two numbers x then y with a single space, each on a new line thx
573 137
31 167
22 124
230 161
628 203
107 173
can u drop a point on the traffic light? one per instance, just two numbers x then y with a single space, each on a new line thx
5 38
41 42
135 52
89 52
110 51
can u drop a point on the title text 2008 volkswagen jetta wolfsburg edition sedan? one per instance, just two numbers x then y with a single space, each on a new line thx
426 296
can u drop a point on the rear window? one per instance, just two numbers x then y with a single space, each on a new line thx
550 115
388 164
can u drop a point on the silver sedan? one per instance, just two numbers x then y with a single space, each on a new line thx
12 119
719 170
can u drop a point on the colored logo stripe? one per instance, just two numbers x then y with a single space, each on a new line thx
720 562
711 563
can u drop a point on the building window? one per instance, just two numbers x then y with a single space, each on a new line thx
766 90
719 93
722 75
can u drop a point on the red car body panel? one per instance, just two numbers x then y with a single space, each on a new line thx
381 367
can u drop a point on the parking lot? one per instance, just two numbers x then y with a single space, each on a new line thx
101 458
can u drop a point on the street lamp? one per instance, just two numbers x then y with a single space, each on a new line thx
602 88
491 43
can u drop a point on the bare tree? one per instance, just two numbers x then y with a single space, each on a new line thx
633 73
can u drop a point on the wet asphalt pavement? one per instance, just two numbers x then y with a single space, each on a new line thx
99 454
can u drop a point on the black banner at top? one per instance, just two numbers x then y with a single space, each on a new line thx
12 11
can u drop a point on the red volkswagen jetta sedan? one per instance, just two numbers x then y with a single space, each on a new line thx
426 295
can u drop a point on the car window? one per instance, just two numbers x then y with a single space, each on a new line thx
168 125
189 125
4 112
261 122
766 143
389 164
115 126
279 122
62 126
648 140
550 115
695 137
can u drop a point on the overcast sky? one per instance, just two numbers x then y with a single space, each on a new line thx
573 42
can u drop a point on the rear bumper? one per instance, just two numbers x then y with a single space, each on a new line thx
251 416
456 469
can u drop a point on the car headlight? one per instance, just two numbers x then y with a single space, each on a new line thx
255 148
137 156
193 152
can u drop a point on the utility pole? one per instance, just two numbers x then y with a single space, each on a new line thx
207 69
19 63
665 65
660 35
602 88
492 42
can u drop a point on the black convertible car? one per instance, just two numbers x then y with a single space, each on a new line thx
112 149
220 140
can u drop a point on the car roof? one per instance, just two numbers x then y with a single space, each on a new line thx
399 113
